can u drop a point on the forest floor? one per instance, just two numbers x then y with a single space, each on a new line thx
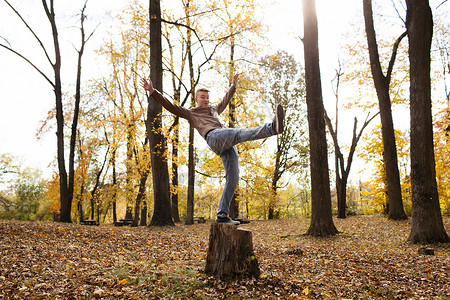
370 259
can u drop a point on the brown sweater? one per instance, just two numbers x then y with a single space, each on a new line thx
202 118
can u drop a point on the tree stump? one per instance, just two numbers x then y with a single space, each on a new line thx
230 253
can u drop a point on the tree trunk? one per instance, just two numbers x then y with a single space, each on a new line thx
140 198
162 214
272 197
341 199
129 185
114 182
341 193
81 212
65 198
230 253
98 212
177 84
66 201
143 214
174 192
321 217
66 183
80 199
73 136
191 162
69 182
342 171
426 219
114 212
191 180
92 207
142 193
396 211
274 185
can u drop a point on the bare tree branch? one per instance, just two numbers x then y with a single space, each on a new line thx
394 54
441 3
31 30
28 61
334 136
208 175
190 28
398 13
356 138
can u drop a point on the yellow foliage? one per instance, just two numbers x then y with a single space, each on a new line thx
442 159
373 150
358 71
123 282
52 193
376 187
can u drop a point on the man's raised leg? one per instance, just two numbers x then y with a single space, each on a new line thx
222 139
219 140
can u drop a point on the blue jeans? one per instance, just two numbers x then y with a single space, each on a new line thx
223 142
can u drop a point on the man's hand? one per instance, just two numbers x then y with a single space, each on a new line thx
147 85
236 79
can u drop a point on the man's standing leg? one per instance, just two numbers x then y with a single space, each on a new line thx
230 160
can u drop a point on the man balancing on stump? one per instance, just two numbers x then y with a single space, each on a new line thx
221 140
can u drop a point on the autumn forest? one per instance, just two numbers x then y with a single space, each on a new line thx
363 170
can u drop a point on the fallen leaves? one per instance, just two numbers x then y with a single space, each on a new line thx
369 259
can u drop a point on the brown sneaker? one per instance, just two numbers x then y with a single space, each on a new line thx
278 120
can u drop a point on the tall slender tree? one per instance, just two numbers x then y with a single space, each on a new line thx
162 214
342 172
426 218
396 211
176 85
321 216
66 181
144 171
191 150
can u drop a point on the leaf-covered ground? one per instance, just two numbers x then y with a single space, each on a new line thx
370 259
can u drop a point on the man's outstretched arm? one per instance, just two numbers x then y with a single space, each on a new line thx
173 108
230 93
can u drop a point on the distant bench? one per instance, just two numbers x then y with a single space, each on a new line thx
89 222
123 222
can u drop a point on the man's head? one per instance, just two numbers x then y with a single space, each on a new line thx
202 97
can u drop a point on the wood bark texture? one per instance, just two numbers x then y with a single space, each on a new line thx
426 219
321 216
230 253
162 212
395 204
